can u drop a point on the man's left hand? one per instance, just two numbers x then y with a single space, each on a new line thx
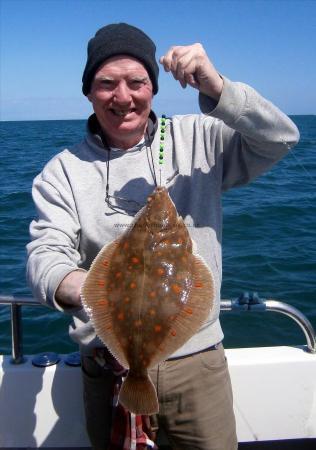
190 65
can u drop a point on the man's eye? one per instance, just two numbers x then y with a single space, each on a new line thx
135 84
107 84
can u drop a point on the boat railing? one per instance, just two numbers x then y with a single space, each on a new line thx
246 302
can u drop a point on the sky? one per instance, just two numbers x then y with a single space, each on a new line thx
269 44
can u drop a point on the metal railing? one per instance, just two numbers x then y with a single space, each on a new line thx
245 302
15 304
253 303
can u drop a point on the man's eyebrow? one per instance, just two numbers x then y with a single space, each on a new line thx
104 78
140 77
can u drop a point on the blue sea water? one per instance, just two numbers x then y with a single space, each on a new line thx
269 239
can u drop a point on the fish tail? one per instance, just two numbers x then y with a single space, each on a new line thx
138 394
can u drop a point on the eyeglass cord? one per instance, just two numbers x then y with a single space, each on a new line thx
160 160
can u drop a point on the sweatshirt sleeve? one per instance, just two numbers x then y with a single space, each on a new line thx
53 250
255 133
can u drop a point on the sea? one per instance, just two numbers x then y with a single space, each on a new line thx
269 239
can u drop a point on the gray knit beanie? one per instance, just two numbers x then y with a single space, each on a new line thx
120 39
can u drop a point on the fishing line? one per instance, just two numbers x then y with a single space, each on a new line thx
302 165
310 196
297 159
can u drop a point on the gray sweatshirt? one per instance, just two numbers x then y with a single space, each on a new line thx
228 145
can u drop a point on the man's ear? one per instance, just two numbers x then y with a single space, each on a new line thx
89 97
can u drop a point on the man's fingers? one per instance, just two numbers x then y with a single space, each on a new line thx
190 64
192 81
170 59
185 68
166 60
179 60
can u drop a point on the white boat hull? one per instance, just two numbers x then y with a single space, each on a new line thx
274 397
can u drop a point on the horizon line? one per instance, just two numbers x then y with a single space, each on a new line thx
86 118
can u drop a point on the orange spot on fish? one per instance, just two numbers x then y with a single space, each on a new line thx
133 285
172 318
188 310
157 328
135 260
127 299
105 263
180 241
173 332
152 294
109 327
103 302
121 316
198 284
138 323
161 348
101 283
152 312
129 267
160 271
118 275
125 245
176 288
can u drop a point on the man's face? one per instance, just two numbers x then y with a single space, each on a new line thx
121 95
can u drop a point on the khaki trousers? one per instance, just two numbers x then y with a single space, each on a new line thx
195 402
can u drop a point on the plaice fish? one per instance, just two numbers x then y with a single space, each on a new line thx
147 294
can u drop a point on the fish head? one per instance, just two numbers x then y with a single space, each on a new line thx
161 213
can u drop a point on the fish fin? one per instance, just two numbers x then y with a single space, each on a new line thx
193 314
138 395
93 296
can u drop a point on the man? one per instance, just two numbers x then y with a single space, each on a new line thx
86 195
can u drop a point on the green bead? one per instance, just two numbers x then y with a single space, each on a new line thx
162 138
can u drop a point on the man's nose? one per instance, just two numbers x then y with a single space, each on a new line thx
122 93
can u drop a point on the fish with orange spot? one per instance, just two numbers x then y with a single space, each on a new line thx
170 281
